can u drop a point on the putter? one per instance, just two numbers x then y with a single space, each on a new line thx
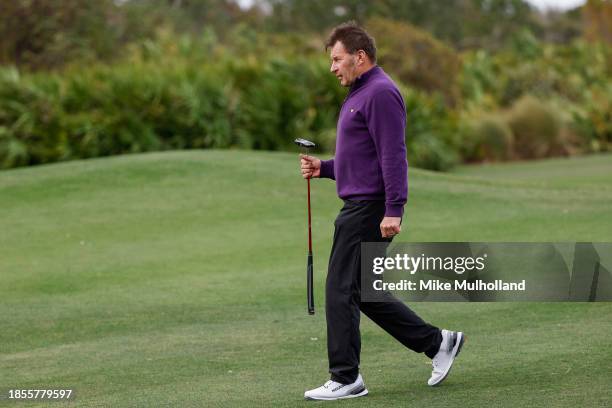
307 144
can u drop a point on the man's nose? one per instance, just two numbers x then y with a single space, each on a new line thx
332 68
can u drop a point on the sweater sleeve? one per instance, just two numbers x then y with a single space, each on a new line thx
386 119
327 169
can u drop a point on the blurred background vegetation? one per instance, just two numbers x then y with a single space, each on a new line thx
483 80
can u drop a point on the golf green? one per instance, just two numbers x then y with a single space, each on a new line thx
178 279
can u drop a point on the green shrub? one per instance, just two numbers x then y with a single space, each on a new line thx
478 81
536 128
142 106
30 119
487 138
427 151
431 131
417 58
593 120
567 71
528 78
282 99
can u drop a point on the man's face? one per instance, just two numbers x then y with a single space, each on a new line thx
344 65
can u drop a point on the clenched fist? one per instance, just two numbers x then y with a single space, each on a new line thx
390 226
311 166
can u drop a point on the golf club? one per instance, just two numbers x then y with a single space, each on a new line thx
306 144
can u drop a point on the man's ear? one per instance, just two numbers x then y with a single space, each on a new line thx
361 57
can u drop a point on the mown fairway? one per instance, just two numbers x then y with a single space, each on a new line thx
178 279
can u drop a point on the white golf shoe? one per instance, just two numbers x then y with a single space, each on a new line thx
443 360
333 390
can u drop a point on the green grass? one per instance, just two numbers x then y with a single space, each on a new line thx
177 279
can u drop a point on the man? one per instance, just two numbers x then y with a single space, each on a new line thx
370 170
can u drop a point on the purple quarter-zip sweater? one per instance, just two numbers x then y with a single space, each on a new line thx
370 161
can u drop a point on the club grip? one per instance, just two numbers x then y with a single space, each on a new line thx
309 285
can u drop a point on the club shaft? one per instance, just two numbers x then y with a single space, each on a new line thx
309 285
309 266
309 222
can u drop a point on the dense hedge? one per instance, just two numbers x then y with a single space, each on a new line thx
534 101
100 111
144 106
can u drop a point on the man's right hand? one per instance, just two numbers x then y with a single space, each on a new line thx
311 166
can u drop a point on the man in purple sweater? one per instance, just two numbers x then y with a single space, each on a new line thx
371 172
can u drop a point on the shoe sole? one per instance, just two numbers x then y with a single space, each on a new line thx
361 393
456 349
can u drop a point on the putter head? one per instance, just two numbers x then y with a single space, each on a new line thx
304 143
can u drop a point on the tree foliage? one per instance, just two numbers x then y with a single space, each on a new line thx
416 58
47 33
597 16
462 23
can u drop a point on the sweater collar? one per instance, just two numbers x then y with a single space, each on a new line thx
365 77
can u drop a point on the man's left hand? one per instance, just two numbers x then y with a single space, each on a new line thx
390 226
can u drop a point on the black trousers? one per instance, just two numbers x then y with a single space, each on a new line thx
359 221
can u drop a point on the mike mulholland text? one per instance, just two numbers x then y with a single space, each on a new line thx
437 285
